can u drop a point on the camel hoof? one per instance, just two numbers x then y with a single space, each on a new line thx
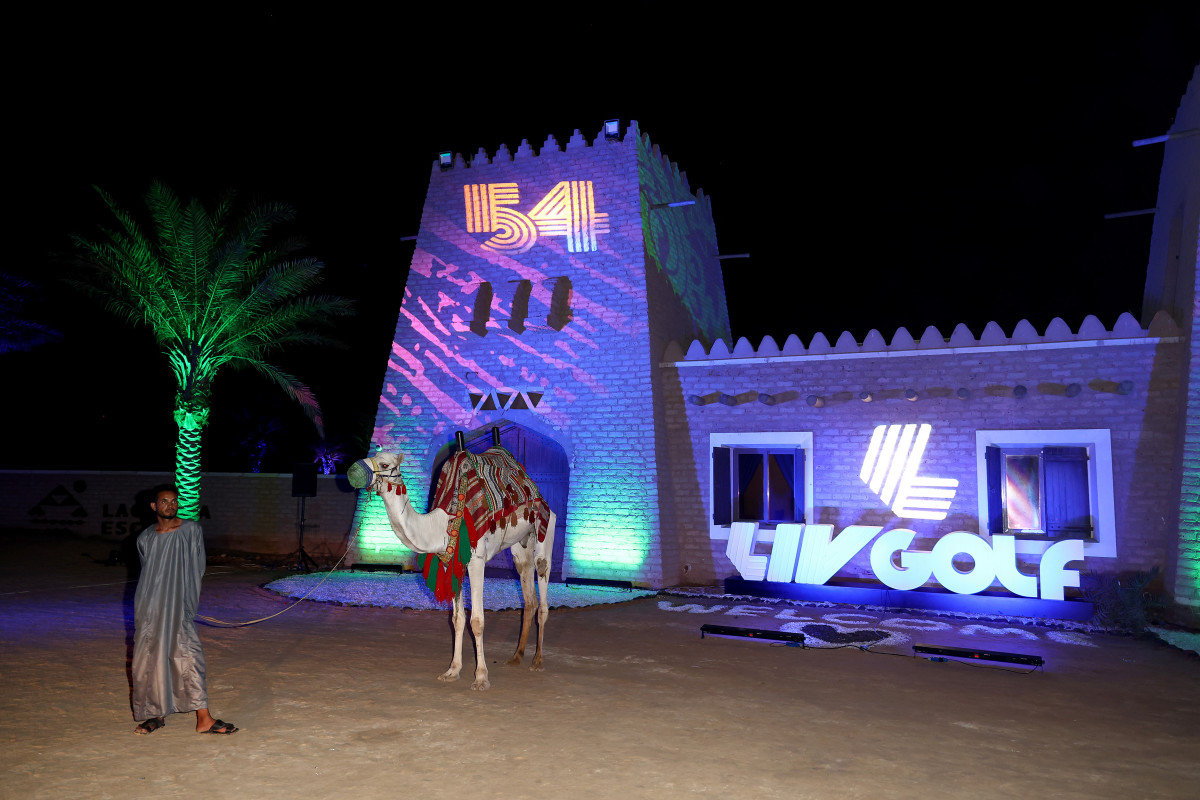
448 675
481 685
515 661
536 666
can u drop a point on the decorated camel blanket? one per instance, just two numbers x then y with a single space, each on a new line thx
481 492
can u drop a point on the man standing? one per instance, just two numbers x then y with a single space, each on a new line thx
168 660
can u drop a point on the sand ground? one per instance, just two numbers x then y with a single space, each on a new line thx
342 701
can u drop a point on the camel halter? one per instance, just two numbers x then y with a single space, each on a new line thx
380 480
349 543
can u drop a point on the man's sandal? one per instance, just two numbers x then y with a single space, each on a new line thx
150 726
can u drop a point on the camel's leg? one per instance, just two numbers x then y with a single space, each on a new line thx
544 555
459 620
523 559
475 570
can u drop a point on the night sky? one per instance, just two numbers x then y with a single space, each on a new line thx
881 170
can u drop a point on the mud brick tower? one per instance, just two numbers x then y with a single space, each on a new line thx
544 288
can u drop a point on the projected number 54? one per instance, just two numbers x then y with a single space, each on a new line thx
569 209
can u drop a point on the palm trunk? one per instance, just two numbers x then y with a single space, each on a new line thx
187 466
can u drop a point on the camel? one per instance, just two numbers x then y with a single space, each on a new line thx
487 499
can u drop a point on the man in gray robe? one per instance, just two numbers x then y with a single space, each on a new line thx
168 660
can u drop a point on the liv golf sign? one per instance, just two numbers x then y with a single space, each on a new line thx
812 554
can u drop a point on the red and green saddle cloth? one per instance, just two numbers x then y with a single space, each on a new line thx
481 492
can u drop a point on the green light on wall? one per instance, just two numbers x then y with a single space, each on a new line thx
601 548
377 543
1187 583
608 528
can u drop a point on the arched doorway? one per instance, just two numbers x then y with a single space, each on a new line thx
546 463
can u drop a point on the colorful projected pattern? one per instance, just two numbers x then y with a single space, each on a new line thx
890 469
1022 493
569 210
452 367
681 244
553 338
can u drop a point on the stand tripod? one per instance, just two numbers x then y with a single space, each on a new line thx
304 485
304 562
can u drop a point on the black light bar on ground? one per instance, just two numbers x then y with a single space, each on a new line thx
978 655
627 585
751 633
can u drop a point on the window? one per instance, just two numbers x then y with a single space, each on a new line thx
1039 492
764 478
762 485
1043 486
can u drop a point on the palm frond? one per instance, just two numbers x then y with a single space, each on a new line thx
132 229
254 226
281 284
292 318
134 265
224 208
284 281
168 219
294 389
195 261
124 281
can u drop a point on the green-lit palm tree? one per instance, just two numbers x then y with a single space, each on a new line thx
216 292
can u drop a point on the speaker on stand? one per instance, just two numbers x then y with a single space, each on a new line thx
304 485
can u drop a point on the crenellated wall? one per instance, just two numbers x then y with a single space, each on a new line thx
992 335
1122 382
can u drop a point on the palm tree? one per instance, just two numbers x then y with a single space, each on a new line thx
215 292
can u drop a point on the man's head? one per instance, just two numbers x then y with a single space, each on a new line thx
166 502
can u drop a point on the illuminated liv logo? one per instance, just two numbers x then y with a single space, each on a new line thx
569 209
890 469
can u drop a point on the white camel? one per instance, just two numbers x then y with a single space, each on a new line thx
518 528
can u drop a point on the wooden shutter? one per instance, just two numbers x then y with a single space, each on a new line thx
1066 503
722 499
798 485
994 459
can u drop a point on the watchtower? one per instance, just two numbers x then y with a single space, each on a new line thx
542 293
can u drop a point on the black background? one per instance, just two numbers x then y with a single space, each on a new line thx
882 169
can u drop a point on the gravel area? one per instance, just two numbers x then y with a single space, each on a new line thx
408 590
1184 640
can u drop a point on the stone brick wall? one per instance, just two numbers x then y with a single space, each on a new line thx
1186 577
686 294
595 368
1173 284
241 513
1127 383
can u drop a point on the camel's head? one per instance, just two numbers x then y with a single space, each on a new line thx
373 472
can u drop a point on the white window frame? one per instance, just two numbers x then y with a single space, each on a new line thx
1098 442
794 440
